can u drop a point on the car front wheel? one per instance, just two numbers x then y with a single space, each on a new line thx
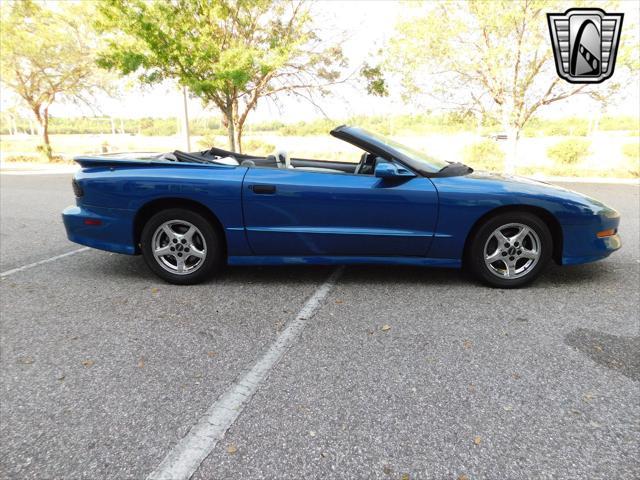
511 249
181 246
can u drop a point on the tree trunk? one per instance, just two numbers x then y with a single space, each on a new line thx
12 125
42 118
228 120
234 123
509 126
45 133
231 133
513 134
238 138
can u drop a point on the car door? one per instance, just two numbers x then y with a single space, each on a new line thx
290 212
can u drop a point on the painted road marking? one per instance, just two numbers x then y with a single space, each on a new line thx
42 262
65 170
185 458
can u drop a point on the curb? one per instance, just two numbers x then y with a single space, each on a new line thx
612 181
38 170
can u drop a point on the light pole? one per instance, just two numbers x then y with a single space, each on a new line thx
185 120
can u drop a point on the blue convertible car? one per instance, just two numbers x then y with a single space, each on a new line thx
189 213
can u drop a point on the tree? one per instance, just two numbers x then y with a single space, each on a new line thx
46 57
491 58
229 53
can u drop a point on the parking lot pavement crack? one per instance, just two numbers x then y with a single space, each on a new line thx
185 458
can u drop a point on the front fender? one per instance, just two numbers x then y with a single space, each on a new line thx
463 201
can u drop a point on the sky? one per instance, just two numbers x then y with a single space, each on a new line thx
366 25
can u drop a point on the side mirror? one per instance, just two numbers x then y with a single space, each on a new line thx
391 170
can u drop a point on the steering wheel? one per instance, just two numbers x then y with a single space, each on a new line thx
366 160
366 165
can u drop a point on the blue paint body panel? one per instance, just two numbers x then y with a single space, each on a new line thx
114 234
466 199
328 218
345 260
315 213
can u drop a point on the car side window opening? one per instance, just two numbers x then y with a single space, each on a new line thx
348 160
341 158
283 160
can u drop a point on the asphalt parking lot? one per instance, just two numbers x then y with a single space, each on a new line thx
400 373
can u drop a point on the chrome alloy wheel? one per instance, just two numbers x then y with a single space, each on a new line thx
179 247
512 251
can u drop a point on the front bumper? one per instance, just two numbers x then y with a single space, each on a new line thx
102 228
582 244
603 248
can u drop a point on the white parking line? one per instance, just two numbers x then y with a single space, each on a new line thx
185 458
41 262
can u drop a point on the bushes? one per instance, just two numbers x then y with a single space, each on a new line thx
415 123
632 151
485 154
253 146
315 127
570 126
209 140
570 151
623 122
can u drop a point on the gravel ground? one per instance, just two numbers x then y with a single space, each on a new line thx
105 368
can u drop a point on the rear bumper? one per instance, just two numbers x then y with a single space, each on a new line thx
102 228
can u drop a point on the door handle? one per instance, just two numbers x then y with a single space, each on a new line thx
263 189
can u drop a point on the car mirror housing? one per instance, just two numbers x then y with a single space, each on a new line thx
391 170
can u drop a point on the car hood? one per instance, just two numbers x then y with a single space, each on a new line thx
515 180
529 188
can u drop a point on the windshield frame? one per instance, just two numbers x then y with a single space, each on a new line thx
386 147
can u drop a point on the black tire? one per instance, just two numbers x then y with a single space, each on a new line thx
207 237
484 239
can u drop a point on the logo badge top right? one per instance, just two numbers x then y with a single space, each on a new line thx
585 43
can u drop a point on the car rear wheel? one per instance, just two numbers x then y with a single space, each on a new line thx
511 249
181 246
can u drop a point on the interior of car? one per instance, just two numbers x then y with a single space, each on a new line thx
279 159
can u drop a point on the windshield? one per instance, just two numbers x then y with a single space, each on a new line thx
413 158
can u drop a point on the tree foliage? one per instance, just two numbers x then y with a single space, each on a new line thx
229 53
493 58
46 57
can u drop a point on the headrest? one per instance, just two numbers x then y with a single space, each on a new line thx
282 159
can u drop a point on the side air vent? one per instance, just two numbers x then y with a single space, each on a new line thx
77 189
